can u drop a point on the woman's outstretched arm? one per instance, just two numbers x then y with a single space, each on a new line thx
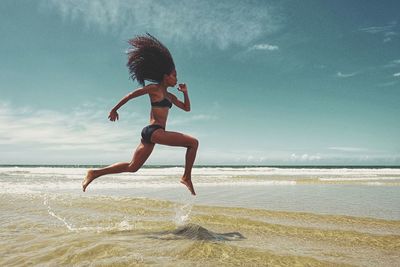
138 92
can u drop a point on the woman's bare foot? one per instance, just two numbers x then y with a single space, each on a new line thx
189 185
88 179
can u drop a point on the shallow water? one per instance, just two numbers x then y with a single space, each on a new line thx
252 218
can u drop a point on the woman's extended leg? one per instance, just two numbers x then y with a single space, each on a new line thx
178 139
141 154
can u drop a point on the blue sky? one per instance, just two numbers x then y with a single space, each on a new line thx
271 82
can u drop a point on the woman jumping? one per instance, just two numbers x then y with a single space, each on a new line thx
150 60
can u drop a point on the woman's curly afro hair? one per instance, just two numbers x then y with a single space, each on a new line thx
148 59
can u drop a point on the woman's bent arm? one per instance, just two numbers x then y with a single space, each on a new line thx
187 101
183 88
183 105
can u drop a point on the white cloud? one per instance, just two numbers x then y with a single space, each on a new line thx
213 23
82 135
377 29
396 74
387 31
387 84
77 132
305 157
265 47
348 149
345 75
387 39
393 63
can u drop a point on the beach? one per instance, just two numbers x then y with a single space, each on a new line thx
242 215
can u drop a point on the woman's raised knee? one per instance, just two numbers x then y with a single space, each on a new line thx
194 143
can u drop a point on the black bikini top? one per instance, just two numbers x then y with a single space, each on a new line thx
163 103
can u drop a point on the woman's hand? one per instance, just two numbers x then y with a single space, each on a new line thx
113 115
182 87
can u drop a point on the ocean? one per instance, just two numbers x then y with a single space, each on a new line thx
241 216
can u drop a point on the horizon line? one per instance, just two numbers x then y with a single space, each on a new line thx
209 165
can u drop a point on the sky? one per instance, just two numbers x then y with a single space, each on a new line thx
270 82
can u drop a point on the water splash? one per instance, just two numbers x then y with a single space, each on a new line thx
182 213
53 214
124 225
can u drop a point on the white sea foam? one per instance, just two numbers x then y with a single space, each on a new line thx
207 171
375 183
357 178
48 179
21 188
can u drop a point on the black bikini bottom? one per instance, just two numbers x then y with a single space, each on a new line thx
148 131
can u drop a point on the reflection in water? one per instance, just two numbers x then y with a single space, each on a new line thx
196 232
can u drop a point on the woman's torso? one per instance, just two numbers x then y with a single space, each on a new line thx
159 110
